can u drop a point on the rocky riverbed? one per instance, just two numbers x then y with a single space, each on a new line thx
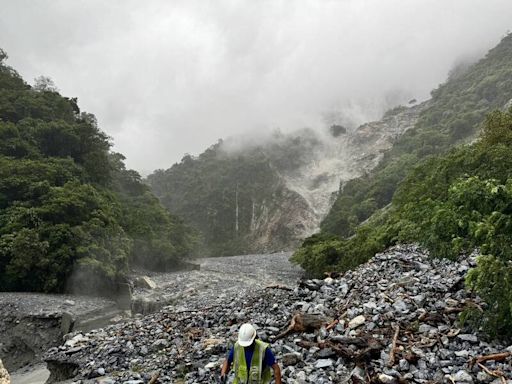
219 279
32 323
393 320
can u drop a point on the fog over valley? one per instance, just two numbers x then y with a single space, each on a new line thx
168 78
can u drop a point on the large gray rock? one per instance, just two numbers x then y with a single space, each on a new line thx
463 376
66 322
291 358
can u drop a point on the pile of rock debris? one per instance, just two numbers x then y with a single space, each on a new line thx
392 320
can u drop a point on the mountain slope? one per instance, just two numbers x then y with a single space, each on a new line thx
451 203
454 115
268 195
71 216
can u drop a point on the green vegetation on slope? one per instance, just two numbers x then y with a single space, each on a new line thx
450 204
71 215
455 200
454 114
230 195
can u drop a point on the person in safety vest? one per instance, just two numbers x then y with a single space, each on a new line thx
252 360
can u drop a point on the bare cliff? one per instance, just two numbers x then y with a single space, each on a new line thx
267 195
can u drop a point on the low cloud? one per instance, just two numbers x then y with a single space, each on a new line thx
166 78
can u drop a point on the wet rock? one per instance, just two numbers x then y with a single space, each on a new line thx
358 375
61 370
67 322
291 359
387 379
463 376
468 337
404 365
105 380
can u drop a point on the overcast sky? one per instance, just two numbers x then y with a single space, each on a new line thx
168 77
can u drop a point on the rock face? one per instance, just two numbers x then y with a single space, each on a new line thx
406 306
32 323
4 375
259 197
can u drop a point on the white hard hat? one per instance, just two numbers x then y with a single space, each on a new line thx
246 335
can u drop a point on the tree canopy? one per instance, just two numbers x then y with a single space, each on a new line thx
71 215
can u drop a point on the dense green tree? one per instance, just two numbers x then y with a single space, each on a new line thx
72 217
223 191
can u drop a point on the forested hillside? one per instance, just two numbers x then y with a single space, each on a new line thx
237 198
454 115
72 217
265 194
450 201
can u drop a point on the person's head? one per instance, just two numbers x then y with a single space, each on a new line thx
246 335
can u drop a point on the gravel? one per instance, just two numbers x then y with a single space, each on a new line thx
400 289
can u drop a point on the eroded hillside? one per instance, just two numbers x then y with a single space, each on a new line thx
269 195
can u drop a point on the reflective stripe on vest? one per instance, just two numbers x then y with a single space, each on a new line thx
255 374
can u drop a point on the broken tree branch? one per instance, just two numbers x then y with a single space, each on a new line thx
495 356
332 325
302 322
154 378
372 347
339 350
279 286
498 374
392 353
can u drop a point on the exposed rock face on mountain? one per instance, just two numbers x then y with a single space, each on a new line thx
392 320
347 156
246 197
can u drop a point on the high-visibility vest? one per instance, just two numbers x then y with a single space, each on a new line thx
256 374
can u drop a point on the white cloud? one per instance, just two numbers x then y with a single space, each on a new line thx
169 77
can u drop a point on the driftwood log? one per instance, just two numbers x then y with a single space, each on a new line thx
279 286
495 356
368 347
304 322
392 352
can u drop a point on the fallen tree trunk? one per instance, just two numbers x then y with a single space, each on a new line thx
370 349
303 322
392 352
344 352
495 356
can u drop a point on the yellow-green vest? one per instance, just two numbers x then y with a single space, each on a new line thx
255 374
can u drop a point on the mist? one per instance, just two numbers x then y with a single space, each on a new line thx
169 78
